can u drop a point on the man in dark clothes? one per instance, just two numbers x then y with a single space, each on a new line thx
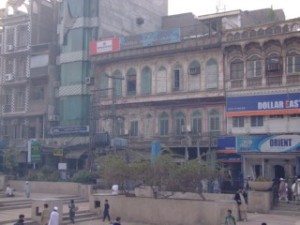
106 211
21 220
118 221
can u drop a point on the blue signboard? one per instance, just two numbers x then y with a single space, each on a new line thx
155 150
68 130
226 143
282 103
268 143
150 39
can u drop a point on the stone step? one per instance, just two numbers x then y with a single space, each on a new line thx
285 212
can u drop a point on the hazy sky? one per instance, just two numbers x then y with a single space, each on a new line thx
203 7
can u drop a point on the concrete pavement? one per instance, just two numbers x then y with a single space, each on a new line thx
253 219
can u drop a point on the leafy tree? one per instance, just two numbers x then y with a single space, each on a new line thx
11 160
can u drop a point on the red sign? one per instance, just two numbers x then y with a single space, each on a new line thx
105 46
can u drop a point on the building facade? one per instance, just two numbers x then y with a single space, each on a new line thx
262 76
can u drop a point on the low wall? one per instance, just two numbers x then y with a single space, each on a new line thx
165 211
53 188
259 201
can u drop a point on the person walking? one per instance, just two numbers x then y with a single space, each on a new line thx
230 220
118 221
72 210
45 215
27 189
20 220
54 217
240 198
296 190
283 190
106 211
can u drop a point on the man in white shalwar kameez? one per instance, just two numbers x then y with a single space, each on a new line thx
54 217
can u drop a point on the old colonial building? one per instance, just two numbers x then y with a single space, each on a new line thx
262 77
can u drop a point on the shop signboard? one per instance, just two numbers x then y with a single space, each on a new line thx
150 39
274 104
105 46
34 151
268 143
226 152
69 130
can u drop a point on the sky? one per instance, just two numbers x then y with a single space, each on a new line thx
203 7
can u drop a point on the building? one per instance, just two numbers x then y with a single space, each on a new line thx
28 72
262 76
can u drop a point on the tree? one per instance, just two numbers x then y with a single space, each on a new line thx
10 160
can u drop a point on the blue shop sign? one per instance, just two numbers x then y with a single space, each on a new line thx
69 130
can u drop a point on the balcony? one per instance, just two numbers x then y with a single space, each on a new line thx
293 79
236 84
254 82
274 80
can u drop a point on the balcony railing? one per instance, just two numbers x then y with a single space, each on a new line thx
236 84
254 82
274 80
293 79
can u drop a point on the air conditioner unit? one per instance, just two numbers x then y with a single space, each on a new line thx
10 47
53 118
8 77
89 80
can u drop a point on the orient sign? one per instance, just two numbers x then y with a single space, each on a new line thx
280 143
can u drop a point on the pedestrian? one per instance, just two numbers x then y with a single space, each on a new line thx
27 189
20 220
106 211
282 190
72 210
296 190
216 186
118 221
54 217
45 215
9 192
240 197
230 220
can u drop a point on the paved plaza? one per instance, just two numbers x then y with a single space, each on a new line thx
253 219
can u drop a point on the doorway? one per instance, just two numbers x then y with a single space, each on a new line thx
279 171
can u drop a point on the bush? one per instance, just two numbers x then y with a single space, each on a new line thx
83 176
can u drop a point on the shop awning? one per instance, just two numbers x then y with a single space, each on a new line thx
75 154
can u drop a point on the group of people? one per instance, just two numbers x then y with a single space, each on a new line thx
285 192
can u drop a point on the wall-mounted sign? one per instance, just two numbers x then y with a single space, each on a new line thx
34 151
68 130
58 152
105 46
268 143
263 105
150 39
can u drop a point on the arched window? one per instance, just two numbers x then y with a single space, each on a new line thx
214 121
293 64
194 78
274 63
131 82
134 126
254 67
164 124
237 70
180 123
103 85
212 74
146 81
117 83
161 80
177 78
196 122
148 126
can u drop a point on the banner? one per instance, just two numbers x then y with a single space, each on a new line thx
34 151
105 46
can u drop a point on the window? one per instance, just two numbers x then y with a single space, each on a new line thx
238 121
212 74
22 35
10 38
7 100
21 67
119 127
180 122
196 123
295 116
276 116
146 81
257 121
161 80
134 128
194 68
273 63
38 93
103 85
194 78
237 70
293 64
214 121
131 82
148 126
164 124
20 99
9 65
117 83
254 67
177 78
